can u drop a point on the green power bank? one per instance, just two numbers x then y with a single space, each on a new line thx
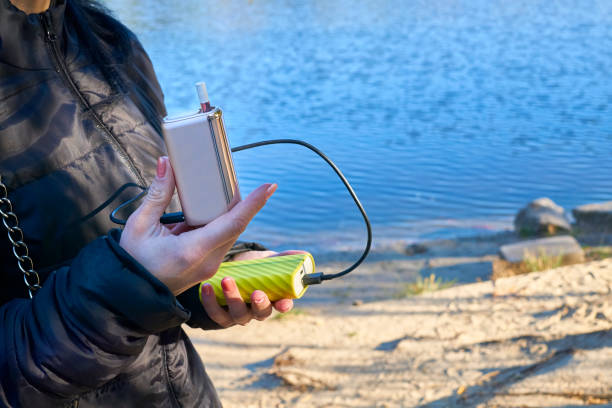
280 277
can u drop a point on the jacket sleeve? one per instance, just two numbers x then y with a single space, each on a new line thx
86 323
191 297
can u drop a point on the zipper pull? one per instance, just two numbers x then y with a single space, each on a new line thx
47 24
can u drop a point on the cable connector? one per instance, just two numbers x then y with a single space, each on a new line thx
172 218
312 279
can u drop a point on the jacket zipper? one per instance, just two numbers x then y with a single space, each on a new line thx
51 40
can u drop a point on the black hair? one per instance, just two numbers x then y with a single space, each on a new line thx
111 46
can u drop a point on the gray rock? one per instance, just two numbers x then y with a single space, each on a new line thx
541 217
565 246
414 249
594 218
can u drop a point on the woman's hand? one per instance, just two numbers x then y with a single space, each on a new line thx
238 312
179 256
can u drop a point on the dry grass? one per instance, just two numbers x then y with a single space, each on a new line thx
531 263
597 253
541 261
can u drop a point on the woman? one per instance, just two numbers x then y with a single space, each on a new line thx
79 121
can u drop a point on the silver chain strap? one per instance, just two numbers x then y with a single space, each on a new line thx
15 235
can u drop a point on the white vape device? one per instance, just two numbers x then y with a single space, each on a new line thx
202 162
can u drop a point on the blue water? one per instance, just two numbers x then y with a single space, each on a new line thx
446 115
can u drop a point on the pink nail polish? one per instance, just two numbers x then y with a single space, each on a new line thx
207 289
271 190
228 284
258 299
161 167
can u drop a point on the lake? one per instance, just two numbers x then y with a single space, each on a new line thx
447 116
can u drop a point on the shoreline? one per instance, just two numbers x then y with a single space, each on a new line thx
390 268
387 269
473 245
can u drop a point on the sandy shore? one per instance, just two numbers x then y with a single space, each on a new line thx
536 340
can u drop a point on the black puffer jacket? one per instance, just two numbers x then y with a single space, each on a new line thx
102 331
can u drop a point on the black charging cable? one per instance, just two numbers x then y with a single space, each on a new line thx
310 279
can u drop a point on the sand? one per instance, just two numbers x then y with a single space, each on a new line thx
536 340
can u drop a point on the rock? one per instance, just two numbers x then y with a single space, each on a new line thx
302 380
414 249
287 358
564 246
594 218
541 217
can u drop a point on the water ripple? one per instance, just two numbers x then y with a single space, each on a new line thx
447 116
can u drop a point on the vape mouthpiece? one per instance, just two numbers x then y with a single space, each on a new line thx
203 96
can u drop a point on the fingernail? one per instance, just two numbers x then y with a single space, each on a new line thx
258 298
284 306
228 284
271 190
207 289
161 166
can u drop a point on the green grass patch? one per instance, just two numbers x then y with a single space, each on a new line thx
293 313
541 261
597 253
422 285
